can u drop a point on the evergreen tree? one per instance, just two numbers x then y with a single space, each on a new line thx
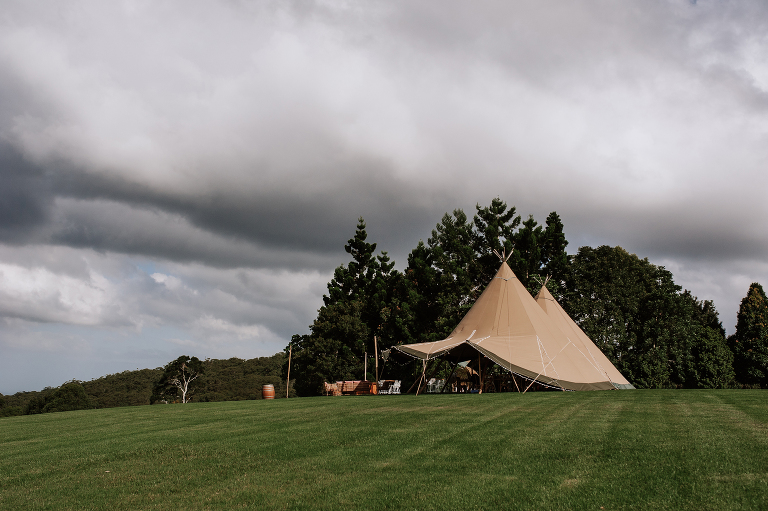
526 260
712 366
383 302
420 297
711 361
359 305
334 349
458 270
554 258
750 342
353 282
494 234
706 313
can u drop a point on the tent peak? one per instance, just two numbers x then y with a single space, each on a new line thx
543 283
503 257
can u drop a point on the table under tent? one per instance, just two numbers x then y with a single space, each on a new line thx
533 340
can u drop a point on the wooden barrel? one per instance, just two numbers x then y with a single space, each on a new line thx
268 392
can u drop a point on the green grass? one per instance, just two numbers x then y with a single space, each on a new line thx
589 450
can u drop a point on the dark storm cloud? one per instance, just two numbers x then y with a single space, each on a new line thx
25 196
269 219
251 228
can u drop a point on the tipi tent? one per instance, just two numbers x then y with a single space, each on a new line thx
507 326
569 327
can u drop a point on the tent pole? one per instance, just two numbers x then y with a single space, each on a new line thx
529 385
423 378
480 372
423 373
288 381
448 381
424 363
515 380
376 353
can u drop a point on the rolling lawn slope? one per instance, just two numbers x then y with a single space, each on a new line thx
552 450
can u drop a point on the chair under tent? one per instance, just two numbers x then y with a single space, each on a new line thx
389 387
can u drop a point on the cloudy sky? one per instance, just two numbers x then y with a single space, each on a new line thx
180 177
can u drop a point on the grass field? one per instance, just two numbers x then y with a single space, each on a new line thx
588 450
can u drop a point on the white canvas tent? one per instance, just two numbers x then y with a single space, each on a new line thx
509 327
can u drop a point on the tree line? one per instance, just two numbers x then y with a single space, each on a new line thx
233 379
657 334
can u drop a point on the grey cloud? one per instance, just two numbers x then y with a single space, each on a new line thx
25 195
83 287
283 302
255 228
276 216
269 227
122 228
697 234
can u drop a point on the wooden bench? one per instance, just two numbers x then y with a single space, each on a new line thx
349 388
358 388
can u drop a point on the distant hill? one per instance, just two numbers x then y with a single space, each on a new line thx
233 379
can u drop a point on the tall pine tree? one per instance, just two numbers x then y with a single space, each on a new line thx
526 260
750 342
554 258
454 258
354 310
494 234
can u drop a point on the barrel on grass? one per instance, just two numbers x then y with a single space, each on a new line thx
268 392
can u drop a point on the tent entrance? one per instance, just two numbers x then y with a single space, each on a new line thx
476 375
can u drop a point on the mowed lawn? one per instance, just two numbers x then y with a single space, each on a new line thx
556 450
